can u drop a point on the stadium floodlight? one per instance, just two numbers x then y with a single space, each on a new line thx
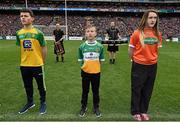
66 19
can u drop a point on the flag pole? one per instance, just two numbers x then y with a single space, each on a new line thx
26 4
66 19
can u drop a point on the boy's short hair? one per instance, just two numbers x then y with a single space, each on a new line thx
28 11
90 26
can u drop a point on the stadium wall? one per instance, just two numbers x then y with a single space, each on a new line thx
78 38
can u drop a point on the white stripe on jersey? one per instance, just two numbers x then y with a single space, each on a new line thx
91 56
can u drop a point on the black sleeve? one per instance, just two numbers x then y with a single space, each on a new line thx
54 32
62 33
117 30
107 31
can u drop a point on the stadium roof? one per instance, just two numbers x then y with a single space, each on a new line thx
120 1
141 1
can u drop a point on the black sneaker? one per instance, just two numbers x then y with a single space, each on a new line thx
82 112
62 59
42 108
113 61
110 61
26 108
57 59
97 112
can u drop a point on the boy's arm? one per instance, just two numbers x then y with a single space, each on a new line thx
80 55
44 53
17 40
101 57
43 44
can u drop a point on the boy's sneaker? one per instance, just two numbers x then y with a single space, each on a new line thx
42 108
97 112
137 117
82 111
26 108
145 117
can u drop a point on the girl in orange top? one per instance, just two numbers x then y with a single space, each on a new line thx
143 51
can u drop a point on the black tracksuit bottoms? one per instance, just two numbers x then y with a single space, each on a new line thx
142 82
94 79
28 73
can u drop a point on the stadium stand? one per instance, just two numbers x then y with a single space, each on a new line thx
125 14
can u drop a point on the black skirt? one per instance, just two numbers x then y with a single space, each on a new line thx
112 48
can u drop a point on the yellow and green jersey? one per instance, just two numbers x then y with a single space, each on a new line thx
31 42
91 53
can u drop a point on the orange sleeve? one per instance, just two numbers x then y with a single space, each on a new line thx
134 39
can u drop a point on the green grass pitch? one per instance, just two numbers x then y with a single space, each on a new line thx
63 84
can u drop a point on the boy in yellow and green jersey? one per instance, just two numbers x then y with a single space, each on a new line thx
90 55
33 52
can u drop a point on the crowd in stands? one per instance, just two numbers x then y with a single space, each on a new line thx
10 23
97 5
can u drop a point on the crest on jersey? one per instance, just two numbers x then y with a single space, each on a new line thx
27 44
97 50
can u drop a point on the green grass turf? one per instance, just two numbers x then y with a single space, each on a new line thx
63 83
